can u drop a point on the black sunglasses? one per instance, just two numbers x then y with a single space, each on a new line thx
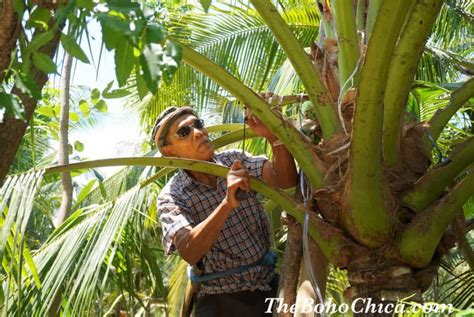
183 132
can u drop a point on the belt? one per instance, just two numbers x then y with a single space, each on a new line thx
269 259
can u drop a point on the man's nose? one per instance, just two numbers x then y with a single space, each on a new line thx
197 133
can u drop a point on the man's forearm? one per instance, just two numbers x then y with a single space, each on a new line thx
283 166
201 238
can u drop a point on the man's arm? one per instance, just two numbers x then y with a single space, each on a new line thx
193 242
281 170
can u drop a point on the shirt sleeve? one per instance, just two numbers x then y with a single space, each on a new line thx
254 164
174 215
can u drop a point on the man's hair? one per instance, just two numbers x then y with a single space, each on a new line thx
164 121
158 120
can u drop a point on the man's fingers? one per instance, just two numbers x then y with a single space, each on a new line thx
242 172
242 183
236 165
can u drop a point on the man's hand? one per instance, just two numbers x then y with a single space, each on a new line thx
256 125
238 177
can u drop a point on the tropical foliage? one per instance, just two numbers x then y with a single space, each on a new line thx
376 109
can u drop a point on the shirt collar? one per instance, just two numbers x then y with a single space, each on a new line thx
187 180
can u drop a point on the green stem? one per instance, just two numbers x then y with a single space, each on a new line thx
348 42
331 241
370 220
226 127
301 62
361 5
224 140
432 185
326 21
372 15
402 71
421 237
458 98
292 138
233 137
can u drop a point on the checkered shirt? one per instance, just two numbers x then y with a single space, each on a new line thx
244 238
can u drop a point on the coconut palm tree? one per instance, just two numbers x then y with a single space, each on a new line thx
379 203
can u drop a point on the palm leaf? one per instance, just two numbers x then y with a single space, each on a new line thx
228 35
16 204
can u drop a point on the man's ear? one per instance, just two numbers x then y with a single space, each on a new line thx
167 150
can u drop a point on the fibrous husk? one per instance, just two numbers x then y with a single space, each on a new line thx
372 274
328 202
325 62
414 159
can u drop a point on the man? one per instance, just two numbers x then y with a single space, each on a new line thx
209 227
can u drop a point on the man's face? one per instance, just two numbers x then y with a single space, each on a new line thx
194 145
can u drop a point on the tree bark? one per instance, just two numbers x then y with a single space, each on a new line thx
9 28
291 265
66 180
12 130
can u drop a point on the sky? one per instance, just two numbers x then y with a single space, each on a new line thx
117 134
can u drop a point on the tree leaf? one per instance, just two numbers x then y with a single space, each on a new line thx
70 45
116 93
39 40
109 35
141 84
46 111
27 85
84 107
78 146
11 105
85 191
124 61
74 116
205 4
39 18
95 96
108 87
86 4
154 34
101 105
150 60
171 60
44 63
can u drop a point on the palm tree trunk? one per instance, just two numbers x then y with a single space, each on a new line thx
291 265
66 181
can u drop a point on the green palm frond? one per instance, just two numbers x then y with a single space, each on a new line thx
235 38
448 54
177 281
453 28
16 204
441 66
455 282
79 256
337 283
118 183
